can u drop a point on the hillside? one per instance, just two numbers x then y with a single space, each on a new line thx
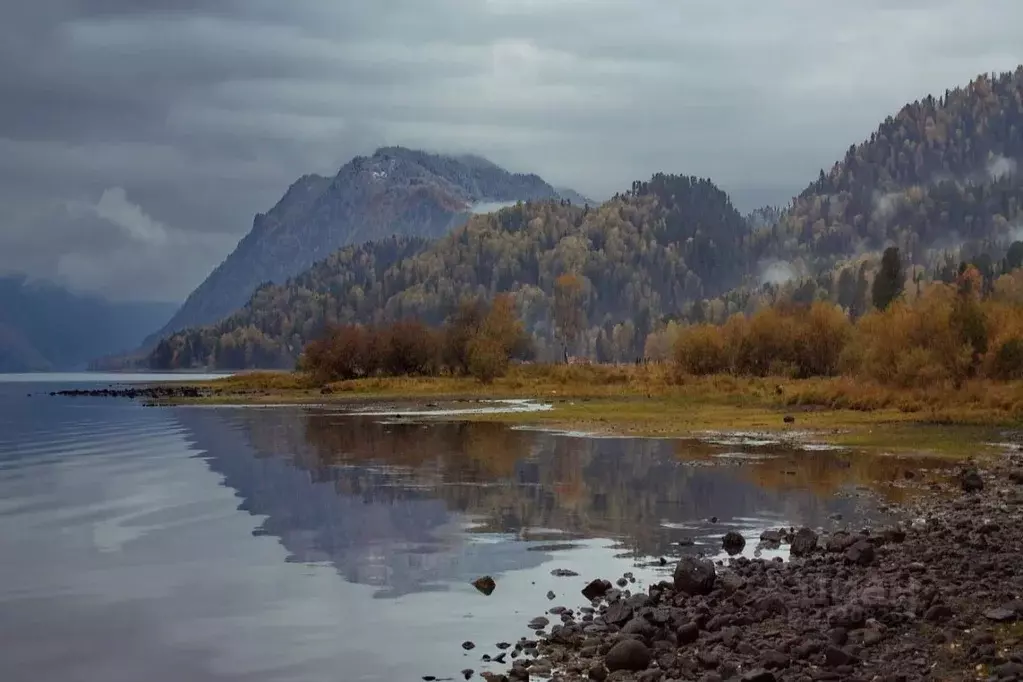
638 258
395 191
938 181
939 174
44 327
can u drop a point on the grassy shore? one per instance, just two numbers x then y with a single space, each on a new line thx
650 400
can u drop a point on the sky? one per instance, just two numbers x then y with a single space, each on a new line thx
139 137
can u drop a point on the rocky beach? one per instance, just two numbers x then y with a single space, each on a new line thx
936 597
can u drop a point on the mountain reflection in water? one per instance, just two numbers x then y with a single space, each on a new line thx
411 507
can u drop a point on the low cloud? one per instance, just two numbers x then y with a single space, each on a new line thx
887 205
777 273
1001 167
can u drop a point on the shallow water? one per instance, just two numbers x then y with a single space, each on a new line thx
298 543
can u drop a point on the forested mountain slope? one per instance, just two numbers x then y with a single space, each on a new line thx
396 191
938 181
940 173
628 263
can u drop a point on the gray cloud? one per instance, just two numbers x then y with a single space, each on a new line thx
138 138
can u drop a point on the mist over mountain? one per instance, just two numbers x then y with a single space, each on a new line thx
44 327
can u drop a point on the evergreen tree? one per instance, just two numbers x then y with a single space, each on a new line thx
890 279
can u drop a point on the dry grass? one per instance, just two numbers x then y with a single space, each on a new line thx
652 400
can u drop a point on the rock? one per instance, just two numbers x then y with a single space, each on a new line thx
622 582
1016 476
468 673
733 542
688 633
563 573
596 589
861 553
839 542
771 604
1000 615
486 585
694 576
618 613
938 613
970 481
849 617
834 657
758 675
503 645
538 623
804 542
639 626
789 419
627 654
598 673
838 636
774 660
551 595
894 535
708 658
468 646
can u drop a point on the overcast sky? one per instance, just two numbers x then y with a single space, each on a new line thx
139 137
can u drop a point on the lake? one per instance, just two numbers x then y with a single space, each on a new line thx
303 543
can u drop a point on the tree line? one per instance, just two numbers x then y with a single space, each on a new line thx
479 340
943 333
937 181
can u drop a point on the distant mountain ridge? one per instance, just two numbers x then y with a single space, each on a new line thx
396 191
44 327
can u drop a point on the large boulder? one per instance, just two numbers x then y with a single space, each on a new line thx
596 589
804 542
695 576
627 654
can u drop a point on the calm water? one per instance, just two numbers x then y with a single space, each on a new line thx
265 544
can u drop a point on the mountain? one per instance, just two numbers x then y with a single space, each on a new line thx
396 191
940 173
638 258
938 180
44 327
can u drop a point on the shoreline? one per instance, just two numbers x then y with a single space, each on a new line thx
647 401
938 598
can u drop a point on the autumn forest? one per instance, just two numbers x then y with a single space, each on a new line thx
900 263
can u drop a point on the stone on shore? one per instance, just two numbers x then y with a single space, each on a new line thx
694 576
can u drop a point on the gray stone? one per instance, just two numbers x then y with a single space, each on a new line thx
694 576
804 543
628 654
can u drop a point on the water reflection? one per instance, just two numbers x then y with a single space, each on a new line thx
411 507
212 544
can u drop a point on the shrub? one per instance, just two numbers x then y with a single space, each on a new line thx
488 359
700 349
